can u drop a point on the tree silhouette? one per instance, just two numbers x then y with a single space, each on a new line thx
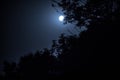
83 12
95 50
37 66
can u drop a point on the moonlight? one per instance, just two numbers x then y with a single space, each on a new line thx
61 18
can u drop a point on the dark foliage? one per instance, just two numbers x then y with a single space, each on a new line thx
94 52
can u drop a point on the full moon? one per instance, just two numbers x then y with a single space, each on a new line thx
61 18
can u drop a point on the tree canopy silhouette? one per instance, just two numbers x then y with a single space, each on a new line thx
83 12
98 46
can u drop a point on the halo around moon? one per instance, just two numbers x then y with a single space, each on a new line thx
61 18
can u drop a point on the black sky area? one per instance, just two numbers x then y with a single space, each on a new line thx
27 26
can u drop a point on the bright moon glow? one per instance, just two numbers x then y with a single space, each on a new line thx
61 18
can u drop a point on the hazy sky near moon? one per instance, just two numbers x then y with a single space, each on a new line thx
27 26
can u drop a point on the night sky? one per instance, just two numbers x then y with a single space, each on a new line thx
28 26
